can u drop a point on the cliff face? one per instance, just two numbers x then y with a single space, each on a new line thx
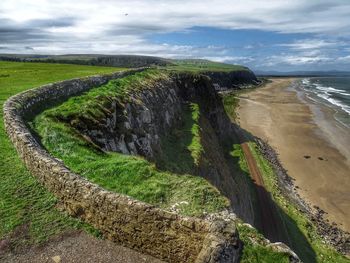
233 79
143 122
136 125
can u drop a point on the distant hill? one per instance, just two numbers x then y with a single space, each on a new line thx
202 65
331 73
128 61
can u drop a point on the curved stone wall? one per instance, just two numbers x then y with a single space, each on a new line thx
124 220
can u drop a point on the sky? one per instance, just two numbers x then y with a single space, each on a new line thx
283 35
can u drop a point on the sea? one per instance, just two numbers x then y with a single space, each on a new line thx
333 92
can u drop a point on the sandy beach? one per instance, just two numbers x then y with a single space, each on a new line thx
310 143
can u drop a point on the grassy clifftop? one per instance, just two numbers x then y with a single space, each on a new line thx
198 65
127 174
128 61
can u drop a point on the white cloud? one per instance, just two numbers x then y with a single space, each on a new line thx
306 44
94 19
230 59
295 60
122 26
344 59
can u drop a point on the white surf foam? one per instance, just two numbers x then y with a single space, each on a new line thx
325 93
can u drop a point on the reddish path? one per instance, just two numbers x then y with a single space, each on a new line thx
269 223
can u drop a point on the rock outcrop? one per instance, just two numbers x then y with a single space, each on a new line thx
232 79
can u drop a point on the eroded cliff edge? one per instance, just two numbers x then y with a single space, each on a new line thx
146 120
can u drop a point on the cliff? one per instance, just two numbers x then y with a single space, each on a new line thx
142 121
232 79
145 122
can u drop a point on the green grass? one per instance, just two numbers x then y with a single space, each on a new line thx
126 174
22 200
230 102
94 104
196 147
201 65
255 249
181 147
237 152
297 224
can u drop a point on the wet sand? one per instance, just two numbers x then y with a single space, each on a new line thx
312 147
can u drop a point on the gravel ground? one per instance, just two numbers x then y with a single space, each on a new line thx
76 247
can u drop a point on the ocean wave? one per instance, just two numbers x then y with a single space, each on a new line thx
330 89
327 93
306 81
338 103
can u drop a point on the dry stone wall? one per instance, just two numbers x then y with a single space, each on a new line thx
129 222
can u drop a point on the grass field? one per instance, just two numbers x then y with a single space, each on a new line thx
127 174
198 65
27 210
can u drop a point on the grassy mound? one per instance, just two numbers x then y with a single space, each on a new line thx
130 175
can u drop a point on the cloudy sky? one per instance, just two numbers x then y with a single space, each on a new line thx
264 35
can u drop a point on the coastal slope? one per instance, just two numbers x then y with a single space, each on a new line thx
277 114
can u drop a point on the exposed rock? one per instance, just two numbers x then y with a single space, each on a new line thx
283 248
56 259
226 234
232 80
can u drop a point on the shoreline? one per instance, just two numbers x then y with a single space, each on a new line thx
330 232
325 118
304 143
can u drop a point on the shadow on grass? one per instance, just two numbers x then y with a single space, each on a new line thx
270 219
276 224
176 156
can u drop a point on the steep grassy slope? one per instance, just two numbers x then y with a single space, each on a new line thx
24 204
127 174
302 235
296 223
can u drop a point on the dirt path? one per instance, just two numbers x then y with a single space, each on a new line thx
269 222
77 247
